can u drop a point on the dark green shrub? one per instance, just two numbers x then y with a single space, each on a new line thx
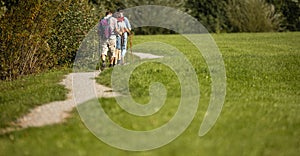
70 28
24 30
211 13
38 35
253 16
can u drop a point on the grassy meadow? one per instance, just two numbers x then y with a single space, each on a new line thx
19 96
260 116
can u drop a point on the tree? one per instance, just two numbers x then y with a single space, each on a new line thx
107 4
24 31
40 35
70 28
8 4
290 10
211 13
114 5
253 16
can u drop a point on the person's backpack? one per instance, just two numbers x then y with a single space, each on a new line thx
104 28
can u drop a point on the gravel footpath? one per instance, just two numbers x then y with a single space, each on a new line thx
59 111
146 56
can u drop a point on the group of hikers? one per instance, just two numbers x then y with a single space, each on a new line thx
113 30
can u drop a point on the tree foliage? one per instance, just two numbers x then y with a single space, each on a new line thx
23 42
253 16
37 35
211 13
291 10
70 28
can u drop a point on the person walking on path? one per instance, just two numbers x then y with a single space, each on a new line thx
126 32
120 38
107 31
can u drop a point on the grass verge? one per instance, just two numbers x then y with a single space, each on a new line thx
260 115
19 96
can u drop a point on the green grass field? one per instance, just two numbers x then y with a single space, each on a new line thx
260 115
19 96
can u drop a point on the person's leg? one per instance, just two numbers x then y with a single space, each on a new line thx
124 47
118 49
118 56
104 48
112 47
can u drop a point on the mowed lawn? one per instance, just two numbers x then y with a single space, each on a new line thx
260 116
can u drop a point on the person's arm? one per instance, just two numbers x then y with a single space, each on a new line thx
127 23
118 31
115 27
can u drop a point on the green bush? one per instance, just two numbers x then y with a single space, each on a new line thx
211 13
40 35
24 32
70 28
253 16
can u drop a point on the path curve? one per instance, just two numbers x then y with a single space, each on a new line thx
58 111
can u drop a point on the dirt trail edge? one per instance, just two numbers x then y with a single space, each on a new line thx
57 111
